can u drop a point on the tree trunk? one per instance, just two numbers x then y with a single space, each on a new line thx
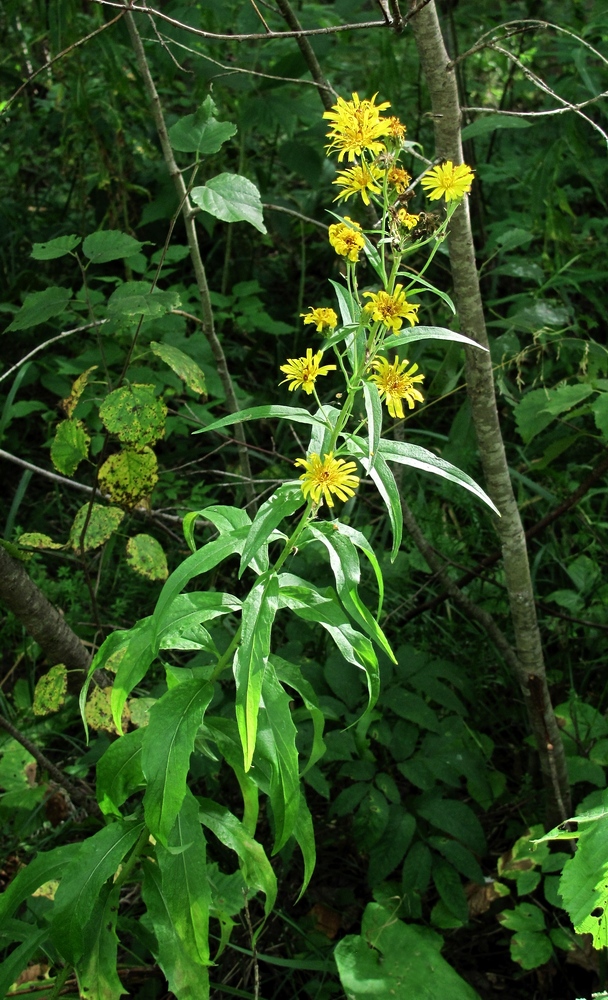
531 675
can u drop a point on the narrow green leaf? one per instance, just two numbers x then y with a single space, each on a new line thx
373 409
12 966
347 573
349 310
448 885
110 245
82 881
292 413
167 746
259 610
430 333
38 307
96 971
289 673
420 458
284 502
46 866
53 249
255 866
361 542
489 123
276 742
185 882
134 659
388 853
386 485
187 610
304 834
231 198
453 817
119 772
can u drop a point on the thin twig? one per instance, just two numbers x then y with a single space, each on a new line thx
47 343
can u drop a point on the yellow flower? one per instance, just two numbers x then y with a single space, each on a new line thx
356 126
407 219
395 384
359 180
302 372
396 128
449 180
391 309
321 318
328 475
347 240
399 178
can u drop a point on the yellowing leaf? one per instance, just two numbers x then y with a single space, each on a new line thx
70 445
98 711
36 540
134 414
70 402
145 555
50 691
182 365
103 522
129 477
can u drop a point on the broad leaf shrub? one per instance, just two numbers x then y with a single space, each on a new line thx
231 702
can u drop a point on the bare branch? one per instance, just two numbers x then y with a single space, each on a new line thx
47 343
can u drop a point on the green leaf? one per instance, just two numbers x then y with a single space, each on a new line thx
388 853
290 674
373 410
276 743
448 885
101 525
524 917
12 966
394 959
460 857
563 398
489 123
110 245
69 446
188 610
304 835
53 249
50 690
420 458
119 772
46 866
291 413
250 660
600 414
430 333
255 866
140 298
455 818
167 747
200 133
584 882
386 485
347 573
360 541
38 307
349 310
284 502
96 971
187 978
36 540
129 477
231 198
134 414
183 366
146 556
134 652
185 883
530 949
82 881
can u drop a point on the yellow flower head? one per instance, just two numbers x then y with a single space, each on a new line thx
302 372
359 180
449 180
391 309
356 126
399 179
407 219
347 239
321 318
396 129
395 384
324 476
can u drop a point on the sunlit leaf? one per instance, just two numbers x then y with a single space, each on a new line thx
69 446
146 556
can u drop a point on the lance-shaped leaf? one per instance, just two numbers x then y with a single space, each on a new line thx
231 198
188 979
320 434
289 673
12 966
347 574
349 310
133 664
420 458
373 410
45 867
276 743
119 772
361 542
386 485
188 610
284 502
255 866
429 333
97 861
96 971
168 744
305 838
259 610
292 413
185 882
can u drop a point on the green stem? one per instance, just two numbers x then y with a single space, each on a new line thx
60 981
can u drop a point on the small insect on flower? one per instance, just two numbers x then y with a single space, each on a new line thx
448 180
324 476
321 318
347 239
362 179
302 372
357 126
395 384
391 309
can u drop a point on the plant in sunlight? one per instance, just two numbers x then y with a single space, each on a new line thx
236 704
